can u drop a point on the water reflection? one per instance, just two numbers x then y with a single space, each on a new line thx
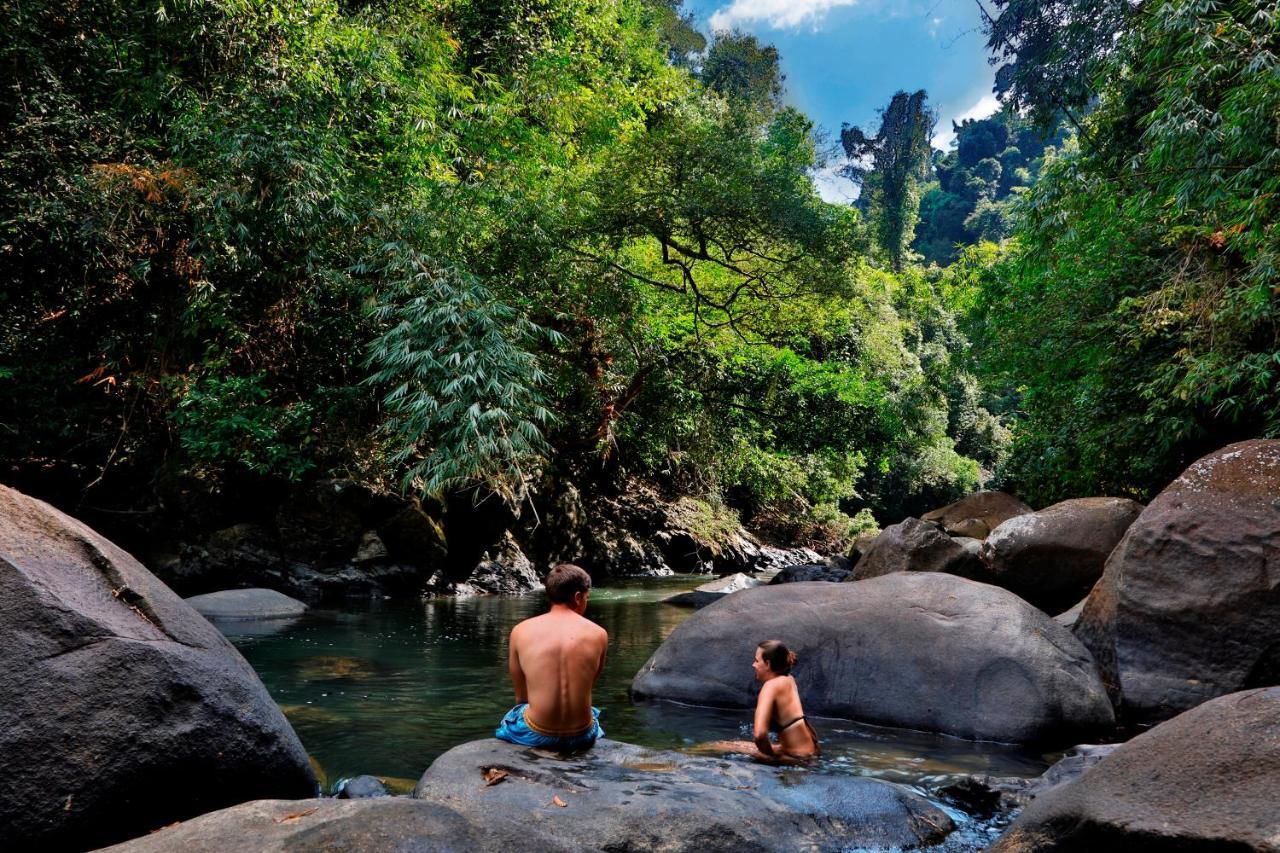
385 687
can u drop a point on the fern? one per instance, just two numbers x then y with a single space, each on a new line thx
463 388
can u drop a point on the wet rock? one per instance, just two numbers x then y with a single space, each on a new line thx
623 797
508 572
978 514
1188 606
378 824
246 604
362 788
916 546
1053 557
810 572
712 591
984 796
918 650
125 709
1208 779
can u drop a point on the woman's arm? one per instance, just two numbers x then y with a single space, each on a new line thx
764 710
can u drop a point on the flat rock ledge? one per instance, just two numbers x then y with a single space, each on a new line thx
373 825
619 796
237 604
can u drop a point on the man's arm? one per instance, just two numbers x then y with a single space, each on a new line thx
517 674
604 653
760 731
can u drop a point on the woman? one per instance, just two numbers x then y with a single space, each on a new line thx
778 706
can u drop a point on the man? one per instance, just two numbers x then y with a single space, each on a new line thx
555 660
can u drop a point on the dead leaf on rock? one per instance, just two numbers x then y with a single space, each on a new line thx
556 801
493 776
290 818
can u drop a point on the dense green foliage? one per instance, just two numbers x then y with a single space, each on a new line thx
970 200
1137 312
453 245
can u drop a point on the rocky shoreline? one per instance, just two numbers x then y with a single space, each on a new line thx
129 712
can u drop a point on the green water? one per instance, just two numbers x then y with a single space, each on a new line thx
383 688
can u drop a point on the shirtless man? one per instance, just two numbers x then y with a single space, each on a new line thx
555 660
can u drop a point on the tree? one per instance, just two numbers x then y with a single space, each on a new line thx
740 68
890 167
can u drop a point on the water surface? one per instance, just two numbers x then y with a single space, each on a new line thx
384 687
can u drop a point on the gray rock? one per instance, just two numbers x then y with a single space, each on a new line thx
919 650
374 825
1188 606
121 708
978 514
623 797
810 572
362 788
237 604
1053 557
371 548
916 546
1208 779
507 572
1068 618
712 591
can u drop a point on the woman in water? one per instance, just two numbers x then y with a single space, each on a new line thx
778 706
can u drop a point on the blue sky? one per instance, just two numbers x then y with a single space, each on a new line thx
844 59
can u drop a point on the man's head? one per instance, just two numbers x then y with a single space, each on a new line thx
568 584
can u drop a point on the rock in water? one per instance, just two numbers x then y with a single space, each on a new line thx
123 709
918 650
350 826
1208 779
978 514
916 546
362 788
1053 557
712 591
623 797
811 572
235 604
1188 607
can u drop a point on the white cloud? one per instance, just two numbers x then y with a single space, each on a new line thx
987 105
832 186
778 14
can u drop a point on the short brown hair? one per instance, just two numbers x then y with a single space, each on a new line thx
564 581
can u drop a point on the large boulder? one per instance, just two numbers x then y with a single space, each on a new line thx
1188 606
916 546
376 824
1053 557
121 708
623 797
918 650
253 604
978 514
1208 779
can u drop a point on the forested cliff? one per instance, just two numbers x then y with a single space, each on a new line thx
460 247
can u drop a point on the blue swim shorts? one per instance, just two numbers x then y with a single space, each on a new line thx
515 728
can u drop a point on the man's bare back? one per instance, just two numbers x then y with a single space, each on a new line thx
554 661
